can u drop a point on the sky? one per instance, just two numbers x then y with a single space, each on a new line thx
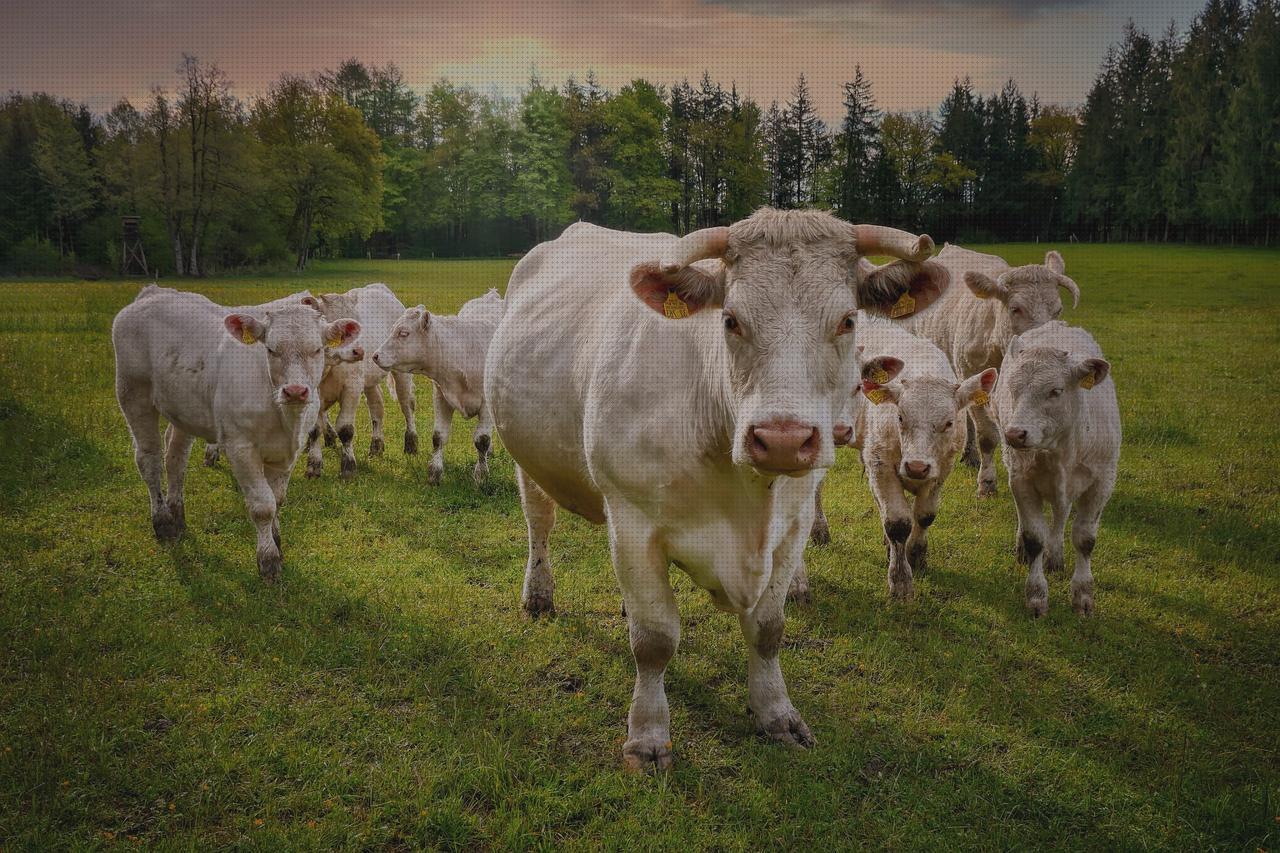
100 50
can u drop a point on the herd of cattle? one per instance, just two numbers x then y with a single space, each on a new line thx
688 392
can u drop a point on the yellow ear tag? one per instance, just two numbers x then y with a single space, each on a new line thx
333 342
1088 382
247 336
877 395
674 307
981 398
981 294
880 376
904 306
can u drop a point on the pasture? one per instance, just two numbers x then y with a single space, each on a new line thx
388 693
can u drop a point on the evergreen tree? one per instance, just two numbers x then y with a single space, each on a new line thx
855 147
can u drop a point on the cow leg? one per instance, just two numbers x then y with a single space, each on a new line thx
653 622
970 456
1054 558
315 450
348 404
895 514
404 396
330 434
210 454
175 464
278 480
538 596
377 415
1034 532
923 513
988 437
762 627
1084 535
260 500
483 440
443 417
821 533
144 427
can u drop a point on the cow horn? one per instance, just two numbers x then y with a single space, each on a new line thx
880 240
699 245
1071 286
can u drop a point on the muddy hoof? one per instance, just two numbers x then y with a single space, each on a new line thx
646 755
788 729
434 473
269 566
820 535
377 447
348 467
211 456
167 528
987 488
410 443
539 604
918 557
314 469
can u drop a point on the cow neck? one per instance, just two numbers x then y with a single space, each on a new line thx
716 416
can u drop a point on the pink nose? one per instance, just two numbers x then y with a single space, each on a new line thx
1015 437
784 445
842 434
917 470
358 353
295 393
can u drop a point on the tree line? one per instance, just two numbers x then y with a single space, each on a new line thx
1178 138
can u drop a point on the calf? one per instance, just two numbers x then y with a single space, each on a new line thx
248 383
377 309
451 351
684 391
974 324
909 432
1057 411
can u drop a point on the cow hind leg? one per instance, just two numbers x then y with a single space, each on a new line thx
483 441
970 456
377 416
538 596
211 454
176 457
988 438
404 397
148 453
348 403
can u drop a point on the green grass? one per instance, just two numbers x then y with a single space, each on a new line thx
388 694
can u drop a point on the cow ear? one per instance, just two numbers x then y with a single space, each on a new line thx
876 374
341 332
245 328
1090 371
902 288
976 390
313 302
1054 262
426 316
985 287
1014 347
676 291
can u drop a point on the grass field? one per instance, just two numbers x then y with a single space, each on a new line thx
387 693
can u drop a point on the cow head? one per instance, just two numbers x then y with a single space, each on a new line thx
295 340
349 352
787 286
411 347
1041 392
1030 293
931 412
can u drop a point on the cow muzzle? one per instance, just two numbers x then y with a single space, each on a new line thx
783 447
1015 437
294 394
841 434
916 470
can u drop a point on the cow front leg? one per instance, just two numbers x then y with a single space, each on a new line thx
653 623
970 455
988 438
538 595
278 480
1034 531
821 533
895 515
443 416
408 405
315 449
377 415
348 403
483 441
210 454
923 513
1084 536
260 501
176 456
1055 562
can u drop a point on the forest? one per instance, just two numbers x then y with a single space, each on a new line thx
1178 139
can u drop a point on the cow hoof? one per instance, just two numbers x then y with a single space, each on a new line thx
377 447
269 566
167 528
211 456
348 467
315 468
410 443
986 488
1037 599
800 595
971 458
434 473
902 591
1082 599
918 557
480 473
820 535
645 755
789 729
538 604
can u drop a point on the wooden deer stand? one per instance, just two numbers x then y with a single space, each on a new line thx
133 261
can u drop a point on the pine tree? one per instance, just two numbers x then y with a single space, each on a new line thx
855 146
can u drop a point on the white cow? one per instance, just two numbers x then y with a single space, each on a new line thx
690 407
975 323
248 383
451 351
377 309
909 431
1057 411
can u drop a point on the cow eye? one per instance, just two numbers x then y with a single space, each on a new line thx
272 353
403 333
317 352
731 322
947 425
1015 310
1056 392
846 324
